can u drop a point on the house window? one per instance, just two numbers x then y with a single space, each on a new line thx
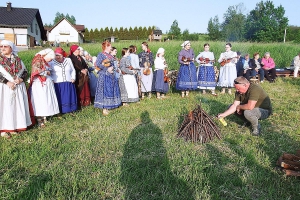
2 36
36 29
31 27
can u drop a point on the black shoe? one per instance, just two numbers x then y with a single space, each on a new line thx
256 130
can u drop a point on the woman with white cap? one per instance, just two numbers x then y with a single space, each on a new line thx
160 85
187 76
14 115
41 90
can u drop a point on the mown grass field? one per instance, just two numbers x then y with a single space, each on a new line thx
134 153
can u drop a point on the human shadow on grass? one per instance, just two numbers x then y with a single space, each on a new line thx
145 169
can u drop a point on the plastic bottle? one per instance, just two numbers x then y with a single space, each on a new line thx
223 121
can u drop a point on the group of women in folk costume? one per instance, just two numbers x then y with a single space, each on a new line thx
188 79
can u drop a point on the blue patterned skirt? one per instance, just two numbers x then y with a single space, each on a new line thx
93 83
107 91
187 77
66 96
206 77
159 84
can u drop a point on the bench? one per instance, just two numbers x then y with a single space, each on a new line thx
286 72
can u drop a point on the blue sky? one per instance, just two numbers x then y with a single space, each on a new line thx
190 14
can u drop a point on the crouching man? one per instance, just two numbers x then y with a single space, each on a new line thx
251 103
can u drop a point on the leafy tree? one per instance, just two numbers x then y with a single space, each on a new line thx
175 30
213 28
185 34
59 16
293 34
266 23
233 27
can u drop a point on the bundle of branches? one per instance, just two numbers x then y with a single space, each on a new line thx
172 75
290 163
198 126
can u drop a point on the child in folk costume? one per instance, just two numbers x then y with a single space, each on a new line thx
14 115
146 62
160 85
206 72
228 73
127 82
187 76
42 93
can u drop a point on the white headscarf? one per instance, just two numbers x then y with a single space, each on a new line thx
185 43
160 50
12 45
47 53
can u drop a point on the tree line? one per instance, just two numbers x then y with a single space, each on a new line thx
136 33
265 23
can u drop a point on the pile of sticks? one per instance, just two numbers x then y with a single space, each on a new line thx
198 126
290 163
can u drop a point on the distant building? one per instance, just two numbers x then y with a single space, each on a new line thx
111 39
157 34
22 26
64 31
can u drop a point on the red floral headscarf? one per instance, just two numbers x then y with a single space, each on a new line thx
73 48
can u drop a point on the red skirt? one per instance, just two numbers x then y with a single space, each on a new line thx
85 95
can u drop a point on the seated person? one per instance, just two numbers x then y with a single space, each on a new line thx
247 70
239 64
296 63
269 67
255 65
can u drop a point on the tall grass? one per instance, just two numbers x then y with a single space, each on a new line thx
134 153
282 53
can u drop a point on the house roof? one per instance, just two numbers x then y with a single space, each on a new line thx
157 32
21 18
78 28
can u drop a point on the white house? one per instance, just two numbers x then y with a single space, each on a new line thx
22 26
64 31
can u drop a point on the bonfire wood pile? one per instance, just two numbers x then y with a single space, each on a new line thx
198 126
290 163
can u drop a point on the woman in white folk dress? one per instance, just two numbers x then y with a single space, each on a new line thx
14 115
228 73
42 93
127 82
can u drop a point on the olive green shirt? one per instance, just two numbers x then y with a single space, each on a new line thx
256 93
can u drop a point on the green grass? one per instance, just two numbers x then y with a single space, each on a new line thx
133 153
